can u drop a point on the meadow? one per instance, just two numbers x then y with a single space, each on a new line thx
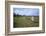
25 21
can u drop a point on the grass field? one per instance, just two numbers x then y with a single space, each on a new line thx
26 21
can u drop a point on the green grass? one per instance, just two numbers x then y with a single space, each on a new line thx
26 21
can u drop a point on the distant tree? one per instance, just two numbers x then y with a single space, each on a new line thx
14 14
17 14
23 15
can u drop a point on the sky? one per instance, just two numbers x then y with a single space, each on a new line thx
26 11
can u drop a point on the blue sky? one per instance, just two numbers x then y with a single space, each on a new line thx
27 11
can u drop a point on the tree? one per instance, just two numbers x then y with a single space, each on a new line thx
17 14
14 14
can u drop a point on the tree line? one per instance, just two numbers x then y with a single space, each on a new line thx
18 15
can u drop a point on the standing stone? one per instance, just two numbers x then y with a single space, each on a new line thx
32 18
